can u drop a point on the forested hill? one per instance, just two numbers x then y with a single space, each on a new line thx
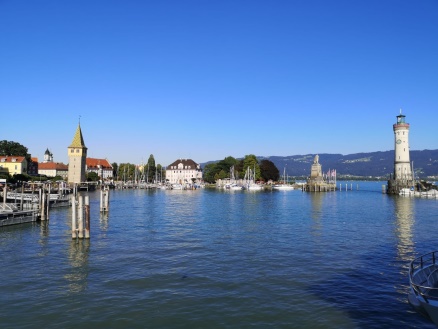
376 164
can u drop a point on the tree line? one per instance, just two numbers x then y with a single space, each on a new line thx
265 170
148 172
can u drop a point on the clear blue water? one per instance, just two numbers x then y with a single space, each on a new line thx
221 259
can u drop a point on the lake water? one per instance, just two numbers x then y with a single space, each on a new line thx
221 259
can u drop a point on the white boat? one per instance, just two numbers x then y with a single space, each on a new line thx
424 194
176 186
429 194
249 180
285 186
423 281
407 191
235 187
254 187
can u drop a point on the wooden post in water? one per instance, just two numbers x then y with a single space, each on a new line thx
74 232
21 201
87 217
42 204
39 197
107 200
48 201
81 217
5 195
101 200
104 200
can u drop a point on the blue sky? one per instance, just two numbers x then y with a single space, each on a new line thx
210 79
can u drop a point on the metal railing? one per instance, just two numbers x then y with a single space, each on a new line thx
422 271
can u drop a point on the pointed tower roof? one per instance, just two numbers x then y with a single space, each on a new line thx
78 140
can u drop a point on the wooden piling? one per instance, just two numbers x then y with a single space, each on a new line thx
101 200
21 200
74 232
104 200
5 195
107 200
81 217
48 201
87 217
42 205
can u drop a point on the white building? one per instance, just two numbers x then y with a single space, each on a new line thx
53 169
101 167
184 171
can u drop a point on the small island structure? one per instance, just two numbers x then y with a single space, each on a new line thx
317 182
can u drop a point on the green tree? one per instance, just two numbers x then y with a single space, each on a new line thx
115 169
218 170
226 164
251 162
21 177
151 169
209 172
126 171
221 175
268 170
92 177
56 178
13 148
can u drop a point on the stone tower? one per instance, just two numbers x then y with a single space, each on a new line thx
77 155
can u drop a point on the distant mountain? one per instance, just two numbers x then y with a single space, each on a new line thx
376 164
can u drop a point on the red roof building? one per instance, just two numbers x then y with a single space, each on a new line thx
101 167
52 169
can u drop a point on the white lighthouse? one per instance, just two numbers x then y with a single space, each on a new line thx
402 177
402 163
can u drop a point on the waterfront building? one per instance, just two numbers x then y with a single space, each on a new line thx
101 167
14 164
32 166
77 154
402 177
184 171
50 168
53 169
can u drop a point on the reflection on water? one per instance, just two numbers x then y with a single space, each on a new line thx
44 238
78 259
316 212
404 222
211 259
103 221
317 204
